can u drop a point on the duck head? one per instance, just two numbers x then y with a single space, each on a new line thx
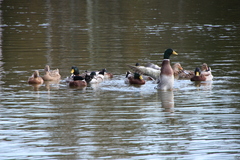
36 74
205 67
74 70
197 71
89 77
102 71
47 68
137 76
168 53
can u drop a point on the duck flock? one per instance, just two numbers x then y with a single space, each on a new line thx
163 76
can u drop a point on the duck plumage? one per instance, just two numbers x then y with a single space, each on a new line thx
205 75
78 81
134 79
167 74
35 78
51 75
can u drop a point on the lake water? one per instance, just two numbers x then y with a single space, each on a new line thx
114 120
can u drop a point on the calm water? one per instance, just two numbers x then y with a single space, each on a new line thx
114 120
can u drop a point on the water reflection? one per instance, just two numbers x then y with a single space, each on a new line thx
167 100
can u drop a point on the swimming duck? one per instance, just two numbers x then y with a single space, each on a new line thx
134 79
180 73
205 76
51 75
107 75
74 72
78 81
35 78
93 78
166 75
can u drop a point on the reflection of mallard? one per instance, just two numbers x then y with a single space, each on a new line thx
51 75
136 78
35 78
206 75
167 99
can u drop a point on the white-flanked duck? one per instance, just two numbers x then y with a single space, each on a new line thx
94 78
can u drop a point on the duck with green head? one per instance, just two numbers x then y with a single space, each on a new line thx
199 76
166 75
136 78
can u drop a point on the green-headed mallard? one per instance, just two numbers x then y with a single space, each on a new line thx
51 75
166 75
206 75
35 78
134 79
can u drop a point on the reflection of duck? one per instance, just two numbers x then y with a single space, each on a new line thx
204 76
51 75
134 79
52 85
166 75
35 78
167 100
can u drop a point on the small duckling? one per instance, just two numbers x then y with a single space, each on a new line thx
35 78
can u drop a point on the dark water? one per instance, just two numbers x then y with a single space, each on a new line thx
114 120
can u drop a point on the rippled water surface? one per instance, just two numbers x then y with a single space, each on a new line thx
114 120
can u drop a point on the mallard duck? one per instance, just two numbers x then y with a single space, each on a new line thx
205 76
51 75
35 78
78 81
74 72
134 79
166 75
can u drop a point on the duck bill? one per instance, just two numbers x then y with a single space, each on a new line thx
140 77
197 74
72 71
174 53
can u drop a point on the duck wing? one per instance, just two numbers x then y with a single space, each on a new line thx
154 73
